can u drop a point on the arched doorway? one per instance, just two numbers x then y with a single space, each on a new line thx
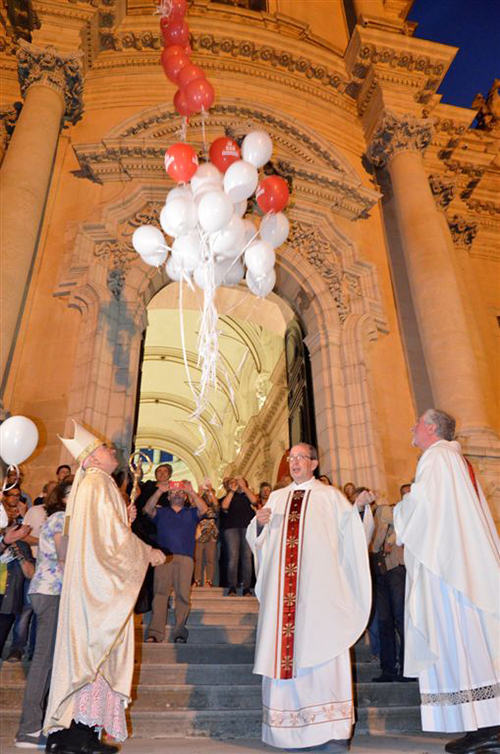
320 276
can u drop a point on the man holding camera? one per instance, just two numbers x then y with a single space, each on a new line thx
17 561
175 533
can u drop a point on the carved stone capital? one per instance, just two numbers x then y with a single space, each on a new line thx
395 134
61 72
442 189
463 230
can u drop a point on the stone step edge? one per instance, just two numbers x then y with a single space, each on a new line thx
15 712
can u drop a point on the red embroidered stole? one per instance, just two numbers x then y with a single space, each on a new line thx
471 474
290 584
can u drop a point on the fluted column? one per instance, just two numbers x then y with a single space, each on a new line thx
398 143
51 85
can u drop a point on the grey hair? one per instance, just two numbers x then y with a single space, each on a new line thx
444 423
313 453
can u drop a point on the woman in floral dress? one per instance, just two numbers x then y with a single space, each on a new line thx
44 593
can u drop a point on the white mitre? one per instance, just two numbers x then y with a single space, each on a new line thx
81 446
83 443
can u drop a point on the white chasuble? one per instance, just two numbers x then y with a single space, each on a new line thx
314 589
104 570
452 601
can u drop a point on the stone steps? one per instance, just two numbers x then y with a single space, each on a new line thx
206 687
224 696
225 724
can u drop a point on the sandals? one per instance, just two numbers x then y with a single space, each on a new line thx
152 640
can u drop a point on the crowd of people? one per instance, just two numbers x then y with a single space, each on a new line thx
349 561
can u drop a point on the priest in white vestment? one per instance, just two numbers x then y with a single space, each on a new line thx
104 570
452 607
314 589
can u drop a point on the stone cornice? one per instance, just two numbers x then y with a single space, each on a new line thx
61 72
117 161
413 66
395 134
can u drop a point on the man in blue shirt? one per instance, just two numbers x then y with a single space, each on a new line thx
175 532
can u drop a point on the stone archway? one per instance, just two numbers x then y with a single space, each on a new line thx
319 274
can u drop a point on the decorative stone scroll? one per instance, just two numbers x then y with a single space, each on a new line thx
309 241
8 120
463 230
120 253
395 135
61 72
443 190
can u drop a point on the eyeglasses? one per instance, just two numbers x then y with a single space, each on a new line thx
299 457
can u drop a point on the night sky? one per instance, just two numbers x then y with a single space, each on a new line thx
474 27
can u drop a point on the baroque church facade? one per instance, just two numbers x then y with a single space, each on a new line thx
390 272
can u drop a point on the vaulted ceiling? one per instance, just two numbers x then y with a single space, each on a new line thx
251 353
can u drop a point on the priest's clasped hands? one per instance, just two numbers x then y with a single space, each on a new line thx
263 516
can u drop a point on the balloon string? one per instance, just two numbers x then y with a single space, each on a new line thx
203 122
182 134
5 486
164 8
183 338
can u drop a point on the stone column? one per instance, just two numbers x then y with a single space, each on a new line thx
51 86
398 143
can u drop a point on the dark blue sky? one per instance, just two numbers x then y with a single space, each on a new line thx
472 25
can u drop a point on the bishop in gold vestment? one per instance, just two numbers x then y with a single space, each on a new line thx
104 570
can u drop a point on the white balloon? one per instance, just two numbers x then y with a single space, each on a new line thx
233 272
226 272
261 286
183 192
257 148
147 239
227 240
179 215
240 208
214 211
274 228
18 439
156 259
240 180
250 231
206 175
174 271
260 258
186 251
163 221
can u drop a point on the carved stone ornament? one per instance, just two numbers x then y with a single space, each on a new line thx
120 252
311 243
463 231
395 135
61 72
8 120
488 114
443 190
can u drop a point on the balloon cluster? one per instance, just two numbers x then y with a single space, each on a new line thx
195 93
214 243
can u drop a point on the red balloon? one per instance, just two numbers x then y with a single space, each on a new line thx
181 103
179 9
176 33
181 162
200 95
272 194
174 50
189 72
173 65
223 152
